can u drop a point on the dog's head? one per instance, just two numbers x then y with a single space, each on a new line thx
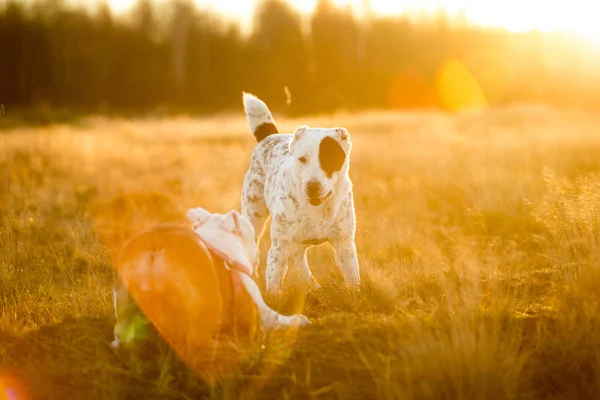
230 234
320 159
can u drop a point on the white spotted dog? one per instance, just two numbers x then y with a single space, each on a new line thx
301 180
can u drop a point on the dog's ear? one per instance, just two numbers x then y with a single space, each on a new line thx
298 133
231 222
342 134
198 215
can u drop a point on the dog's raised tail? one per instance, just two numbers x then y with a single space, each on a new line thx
259 117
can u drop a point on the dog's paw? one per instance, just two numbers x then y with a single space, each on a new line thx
298 320
313 284
284 321
292 321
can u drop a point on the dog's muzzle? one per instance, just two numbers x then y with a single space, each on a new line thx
313 190
317 201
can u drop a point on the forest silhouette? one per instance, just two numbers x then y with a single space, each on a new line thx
177 58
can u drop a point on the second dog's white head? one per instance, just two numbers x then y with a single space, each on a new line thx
320 157
231 234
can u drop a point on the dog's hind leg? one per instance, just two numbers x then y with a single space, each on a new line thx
130 323
254 206
298 259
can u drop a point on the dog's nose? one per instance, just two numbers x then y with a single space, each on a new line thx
313 189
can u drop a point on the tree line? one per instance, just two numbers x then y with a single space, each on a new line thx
178 58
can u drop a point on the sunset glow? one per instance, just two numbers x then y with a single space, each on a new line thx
576 16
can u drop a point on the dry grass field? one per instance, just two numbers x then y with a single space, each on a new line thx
478 237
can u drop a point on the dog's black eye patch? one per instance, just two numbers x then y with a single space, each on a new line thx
331 155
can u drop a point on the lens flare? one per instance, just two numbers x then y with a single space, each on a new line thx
10 389
411 90
457 87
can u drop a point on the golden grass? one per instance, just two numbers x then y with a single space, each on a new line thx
477 234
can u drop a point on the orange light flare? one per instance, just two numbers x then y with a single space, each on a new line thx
411 90
11 388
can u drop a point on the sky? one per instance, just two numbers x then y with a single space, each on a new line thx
576 16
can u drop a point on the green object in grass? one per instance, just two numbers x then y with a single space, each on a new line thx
137 329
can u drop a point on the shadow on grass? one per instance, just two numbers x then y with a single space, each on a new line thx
375 353
73 359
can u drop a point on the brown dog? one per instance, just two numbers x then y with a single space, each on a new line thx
192 284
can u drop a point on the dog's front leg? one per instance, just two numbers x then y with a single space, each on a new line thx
276 266
298 258
347 260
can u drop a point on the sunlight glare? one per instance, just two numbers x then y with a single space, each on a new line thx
120 6
576 16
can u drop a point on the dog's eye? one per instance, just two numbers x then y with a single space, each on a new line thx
302 160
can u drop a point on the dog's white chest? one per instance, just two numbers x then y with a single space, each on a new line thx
313 225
